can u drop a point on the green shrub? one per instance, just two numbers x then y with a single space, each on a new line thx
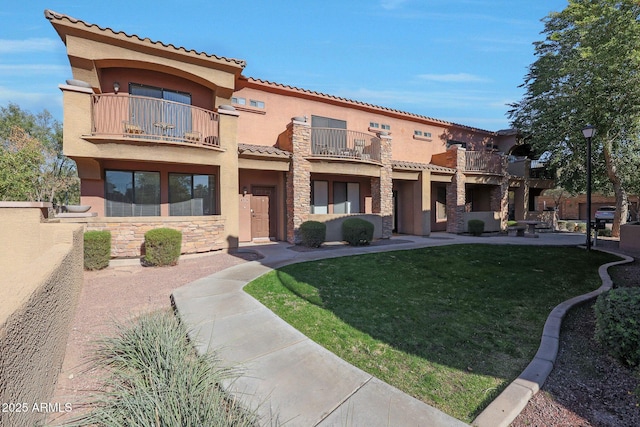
162 246
605 232
476 227
512 223
97 249
313 233
618 324
357 231
154 377
582 227
571 226
562 225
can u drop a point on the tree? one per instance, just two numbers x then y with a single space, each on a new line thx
587 71
32 166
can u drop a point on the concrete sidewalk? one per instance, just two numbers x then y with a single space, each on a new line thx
285 374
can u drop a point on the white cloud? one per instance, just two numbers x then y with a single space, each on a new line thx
453 78
29 45
33 101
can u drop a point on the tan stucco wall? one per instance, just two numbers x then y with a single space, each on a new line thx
334 224
42 273
492 220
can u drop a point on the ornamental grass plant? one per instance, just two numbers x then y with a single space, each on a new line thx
154 377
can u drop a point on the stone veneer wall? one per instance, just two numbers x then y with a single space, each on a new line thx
456 192
42 274
500 196
382 188
199 234
298 179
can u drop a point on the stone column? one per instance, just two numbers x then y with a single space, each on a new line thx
456 193
382 188
500 196
298 178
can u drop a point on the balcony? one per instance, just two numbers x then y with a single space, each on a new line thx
483 162
143 119
344 144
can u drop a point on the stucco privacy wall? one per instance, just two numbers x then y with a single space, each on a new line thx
42 273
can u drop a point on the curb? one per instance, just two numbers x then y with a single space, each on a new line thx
507 406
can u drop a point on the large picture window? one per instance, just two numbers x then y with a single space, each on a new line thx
346 197
173 118
132 193
320 197
191 195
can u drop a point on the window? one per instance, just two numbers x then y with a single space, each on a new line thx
451 142
191 195
326 122
374 125
329 135
441 203
130 193
346 197
239 101
174 118
257 104
319 197
385 127
418 134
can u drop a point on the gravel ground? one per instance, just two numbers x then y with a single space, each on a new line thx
587 388
120 292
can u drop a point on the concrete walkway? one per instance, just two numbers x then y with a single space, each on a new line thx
288 377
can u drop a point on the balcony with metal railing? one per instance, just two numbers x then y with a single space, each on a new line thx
126 117
345 144
483 162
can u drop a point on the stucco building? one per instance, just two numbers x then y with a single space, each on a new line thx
164 136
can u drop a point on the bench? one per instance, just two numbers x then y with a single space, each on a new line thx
516 230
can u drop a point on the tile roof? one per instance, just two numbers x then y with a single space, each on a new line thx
360 103
55 16
263 150
399 164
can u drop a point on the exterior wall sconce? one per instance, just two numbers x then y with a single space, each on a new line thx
116 87
244 191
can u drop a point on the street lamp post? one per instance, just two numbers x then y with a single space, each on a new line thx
588 133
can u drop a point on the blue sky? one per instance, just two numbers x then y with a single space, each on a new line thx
455 60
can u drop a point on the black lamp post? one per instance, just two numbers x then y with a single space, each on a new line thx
588 133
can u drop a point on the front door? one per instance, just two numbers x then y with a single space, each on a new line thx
259 217
262 212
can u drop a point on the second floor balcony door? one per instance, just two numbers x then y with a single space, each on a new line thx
170 119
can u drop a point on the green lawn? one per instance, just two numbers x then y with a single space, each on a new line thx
452 326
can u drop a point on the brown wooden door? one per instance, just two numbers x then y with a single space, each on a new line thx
259 217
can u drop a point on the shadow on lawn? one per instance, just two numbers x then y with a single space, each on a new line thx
478 309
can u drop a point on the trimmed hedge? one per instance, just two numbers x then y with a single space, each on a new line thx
357 231
618 324
162 246
97 249
476 227
314 233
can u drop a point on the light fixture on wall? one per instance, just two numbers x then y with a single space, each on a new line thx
116 87
244 191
